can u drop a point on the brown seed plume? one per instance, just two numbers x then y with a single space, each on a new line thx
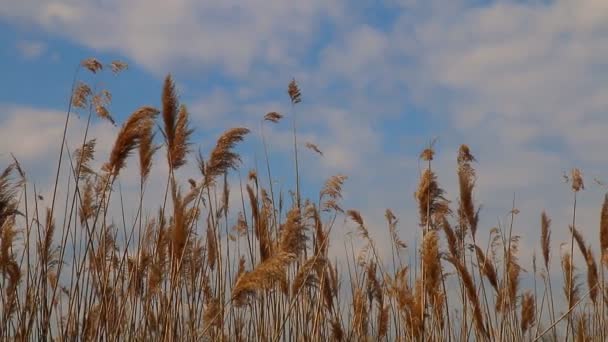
314 147
592 276
308 274
452 239
176 126
579 241
374 289
507 294
92 64
527 311
223 157
264 276
100 103
427 154
293 237
212 314
129 138
180 229
429 197
576 179
212 249
466 179
181 139
358 219
337 333
487 268
592 272
81 95
45 252
169 111
273 117
383 321
604 229
392 227
332 193
118 67
7 238
355 216
8 192
88 206
147 149
571 286
432 266
83 156
294 92
545 237
360 314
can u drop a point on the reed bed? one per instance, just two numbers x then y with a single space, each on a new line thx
203 268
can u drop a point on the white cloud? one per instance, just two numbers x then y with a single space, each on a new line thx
231 34
33 135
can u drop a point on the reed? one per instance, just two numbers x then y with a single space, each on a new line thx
203 261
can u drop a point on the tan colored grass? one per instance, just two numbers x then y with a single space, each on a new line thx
233 261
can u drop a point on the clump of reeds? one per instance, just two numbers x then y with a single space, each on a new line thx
215 262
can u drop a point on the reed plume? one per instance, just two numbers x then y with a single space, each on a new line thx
392 226
469 217
592 272
81 94
314 148
88 205
8 191
118 66
576 180
604 230
169 110
487 268
273 117
452 239
429 197
545 237
432 267
571 286
129 138
294 92
100 103
264 276
147 149
176 126
95 268
92 64
293 238
360 314
309 274
83 156
508 291
223 157
527 311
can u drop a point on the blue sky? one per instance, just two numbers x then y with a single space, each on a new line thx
523 83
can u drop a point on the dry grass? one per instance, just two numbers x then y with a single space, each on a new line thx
204 268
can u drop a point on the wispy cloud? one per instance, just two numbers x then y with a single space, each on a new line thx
30 49
232 34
